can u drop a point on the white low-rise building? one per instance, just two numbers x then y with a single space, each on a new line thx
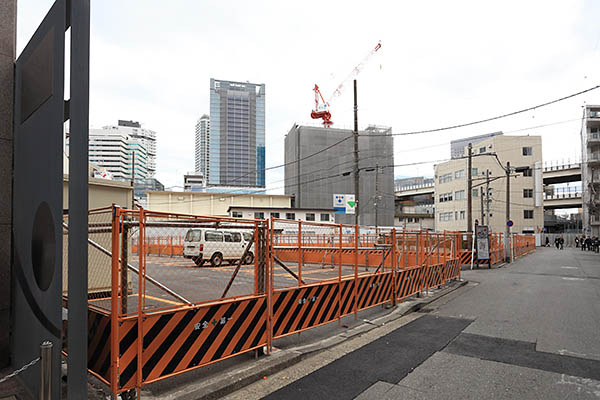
296 214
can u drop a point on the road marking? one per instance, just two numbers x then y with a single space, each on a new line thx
573 279
163 300
565 267
565 352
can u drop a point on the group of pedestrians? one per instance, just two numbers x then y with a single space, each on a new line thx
559 242
588 243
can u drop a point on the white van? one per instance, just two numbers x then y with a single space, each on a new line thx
217 245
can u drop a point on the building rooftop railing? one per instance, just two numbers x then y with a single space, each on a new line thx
414 187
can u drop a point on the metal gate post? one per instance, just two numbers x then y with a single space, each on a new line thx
270 289
141 292
356 238
405 246
300 253
445 260
393 266
114 303
124 270
339 296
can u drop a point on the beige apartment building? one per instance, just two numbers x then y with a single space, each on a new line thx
526 188
212 204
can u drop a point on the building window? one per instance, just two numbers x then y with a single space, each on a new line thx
290 216
474 171
445 178
275 214
459 195
462 214
444 197
528 172
236 214
324 217
446 216
528 214
481 150
259 215
459 174
528 193
527 151
475 193
310 216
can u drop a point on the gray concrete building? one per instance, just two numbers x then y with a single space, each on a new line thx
314 180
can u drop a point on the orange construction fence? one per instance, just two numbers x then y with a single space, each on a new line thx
169 315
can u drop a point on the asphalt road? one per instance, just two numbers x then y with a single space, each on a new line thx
206 283
530 330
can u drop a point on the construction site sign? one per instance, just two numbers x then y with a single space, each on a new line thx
344 203
350 204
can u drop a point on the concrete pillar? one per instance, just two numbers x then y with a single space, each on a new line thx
8 30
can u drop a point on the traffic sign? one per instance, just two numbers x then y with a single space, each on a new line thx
509 223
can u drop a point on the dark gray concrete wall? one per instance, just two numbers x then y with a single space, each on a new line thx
8 24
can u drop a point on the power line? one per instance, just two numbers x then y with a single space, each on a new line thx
481 121
420 132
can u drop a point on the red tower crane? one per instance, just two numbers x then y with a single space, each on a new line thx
321 110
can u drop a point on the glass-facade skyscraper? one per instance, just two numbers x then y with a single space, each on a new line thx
236 148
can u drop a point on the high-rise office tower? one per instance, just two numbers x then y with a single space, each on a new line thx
201 145
235 142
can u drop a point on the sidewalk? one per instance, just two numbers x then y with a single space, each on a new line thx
218 380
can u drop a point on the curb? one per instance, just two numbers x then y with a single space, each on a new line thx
218 387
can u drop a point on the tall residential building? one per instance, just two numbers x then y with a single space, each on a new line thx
116 150
526 189
314 180
201 145
590 170
236 149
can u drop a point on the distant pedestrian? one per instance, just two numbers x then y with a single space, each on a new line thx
576 242
588 243
547 241
561 241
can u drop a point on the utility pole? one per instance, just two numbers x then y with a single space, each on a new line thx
487 195
470 191
507 228
356 179
482 210
376 197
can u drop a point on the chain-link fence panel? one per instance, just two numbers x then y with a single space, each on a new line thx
199 259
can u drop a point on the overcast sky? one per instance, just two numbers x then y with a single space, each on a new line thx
441 63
